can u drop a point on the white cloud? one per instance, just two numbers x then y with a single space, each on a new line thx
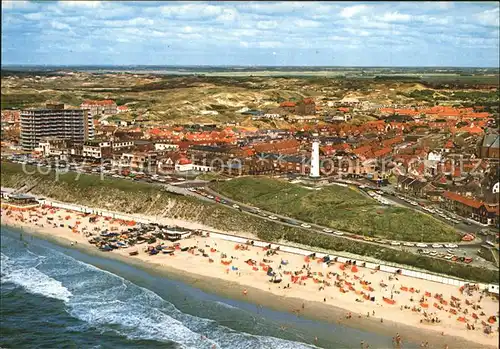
228 15
269 44
267 24
15 4
395 17
348 12
489 17
35 16
306 23
87 4
59 25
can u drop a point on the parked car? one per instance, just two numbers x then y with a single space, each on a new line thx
273 217
437 246
408 244
339 233
451 245
421 245
395 243
304 225
326 230
236 206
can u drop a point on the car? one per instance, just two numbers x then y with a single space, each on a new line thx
425 252
380 192
305 225
467 260
210 197
413 203
451 245
273 217
420 250
223 201
339 233
421 245
326 230
448 256
236 206
408 244
437 246
449 252
466 222
395 243
367 238
433 253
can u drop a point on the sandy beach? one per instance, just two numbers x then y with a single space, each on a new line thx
423 311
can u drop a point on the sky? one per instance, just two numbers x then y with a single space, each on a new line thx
458 34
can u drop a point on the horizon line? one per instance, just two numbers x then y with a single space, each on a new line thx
235 66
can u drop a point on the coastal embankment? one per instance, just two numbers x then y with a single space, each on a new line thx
306 299
146 199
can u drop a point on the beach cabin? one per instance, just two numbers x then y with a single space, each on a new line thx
494 289
19 201
174 235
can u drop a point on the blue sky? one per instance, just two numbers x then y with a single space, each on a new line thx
251 33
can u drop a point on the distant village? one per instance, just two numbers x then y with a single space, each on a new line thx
440 153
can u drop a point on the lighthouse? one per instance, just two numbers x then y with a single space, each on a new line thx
315 158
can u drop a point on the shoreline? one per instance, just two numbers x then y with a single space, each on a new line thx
313 310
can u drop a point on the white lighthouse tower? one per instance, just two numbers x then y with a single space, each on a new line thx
315 157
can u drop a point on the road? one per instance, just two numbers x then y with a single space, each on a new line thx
464 249
180 188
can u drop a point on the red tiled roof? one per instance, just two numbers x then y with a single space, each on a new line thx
288 104
494 209
382 152
463 200
308 101
392 141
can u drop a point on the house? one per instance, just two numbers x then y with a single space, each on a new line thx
100 108
288 107
414 186
97 149
306 106
289 146
136 161
471 208
122 109
490 146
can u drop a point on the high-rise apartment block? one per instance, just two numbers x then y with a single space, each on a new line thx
55 121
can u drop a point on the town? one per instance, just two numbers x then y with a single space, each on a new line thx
437 160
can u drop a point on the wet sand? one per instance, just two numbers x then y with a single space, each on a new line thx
304 300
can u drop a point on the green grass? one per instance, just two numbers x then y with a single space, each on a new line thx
142 198
337 207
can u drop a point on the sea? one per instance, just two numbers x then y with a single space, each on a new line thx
58 297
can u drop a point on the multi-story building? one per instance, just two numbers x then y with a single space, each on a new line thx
97 150
37 124
100 108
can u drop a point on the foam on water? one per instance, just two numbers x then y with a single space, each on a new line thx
32 280
112 303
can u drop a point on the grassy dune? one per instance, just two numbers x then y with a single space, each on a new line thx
134 197
337 207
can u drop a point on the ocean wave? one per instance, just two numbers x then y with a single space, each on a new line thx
108 302
32 280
